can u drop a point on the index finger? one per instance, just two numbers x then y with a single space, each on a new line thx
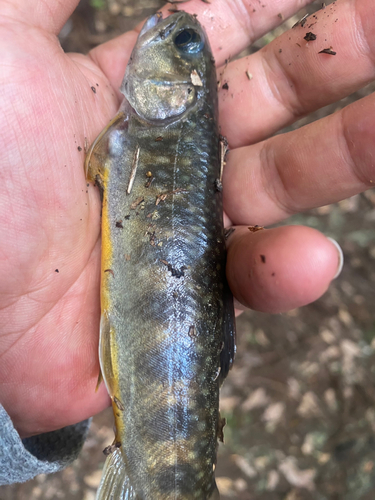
294 74
321 163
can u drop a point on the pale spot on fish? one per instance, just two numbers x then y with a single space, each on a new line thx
195 79
202 426
185 160
116 143
162 160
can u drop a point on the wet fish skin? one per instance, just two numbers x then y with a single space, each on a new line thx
167 338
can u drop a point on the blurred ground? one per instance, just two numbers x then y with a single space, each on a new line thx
300 400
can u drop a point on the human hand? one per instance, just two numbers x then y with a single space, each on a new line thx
51 219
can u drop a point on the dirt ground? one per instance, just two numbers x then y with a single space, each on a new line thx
300 400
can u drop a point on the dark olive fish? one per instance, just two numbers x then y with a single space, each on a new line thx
166 334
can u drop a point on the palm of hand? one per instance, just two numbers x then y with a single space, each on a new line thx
49 269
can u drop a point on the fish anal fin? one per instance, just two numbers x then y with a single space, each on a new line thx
115 483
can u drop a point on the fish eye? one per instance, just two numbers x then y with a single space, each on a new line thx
189 41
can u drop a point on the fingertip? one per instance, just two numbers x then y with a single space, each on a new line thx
279 269
340 263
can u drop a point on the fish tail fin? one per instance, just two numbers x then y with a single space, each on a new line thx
115 483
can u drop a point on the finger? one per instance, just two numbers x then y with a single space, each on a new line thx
49 15
231 26
280 269
321 163
290 78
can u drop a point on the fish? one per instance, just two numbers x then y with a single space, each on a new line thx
167 337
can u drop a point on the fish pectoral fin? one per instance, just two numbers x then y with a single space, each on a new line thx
100 380
105 355
115 483
99 151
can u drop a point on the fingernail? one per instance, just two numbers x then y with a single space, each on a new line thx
341 257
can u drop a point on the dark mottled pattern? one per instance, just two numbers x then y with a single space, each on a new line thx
170 311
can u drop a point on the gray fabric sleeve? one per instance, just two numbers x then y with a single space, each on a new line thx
22 459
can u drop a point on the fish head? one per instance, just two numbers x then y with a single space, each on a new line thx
170 68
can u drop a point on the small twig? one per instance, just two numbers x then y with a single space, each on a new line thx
223 152
133 170
301 22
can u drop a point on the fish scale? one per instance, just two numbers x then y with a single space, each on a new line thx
167 314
